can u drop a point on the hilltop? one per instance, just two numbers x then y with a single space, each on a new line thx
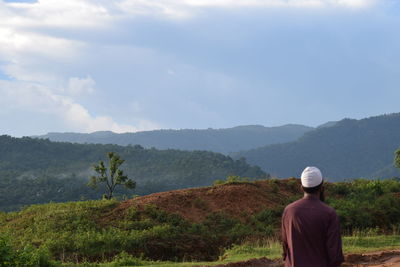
217 140
346 149
190 224
239 200
39 171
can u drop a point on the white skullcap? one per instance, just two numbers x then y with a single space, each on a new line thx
311 177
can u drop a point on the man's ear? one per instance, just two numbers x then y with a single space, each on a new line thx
322 193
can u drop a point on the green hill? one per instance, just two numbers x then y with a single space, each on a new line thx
190 224
346 149
37 171
217 140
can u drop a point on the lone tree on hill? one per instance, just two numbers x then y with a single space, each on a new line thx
111 176
397 158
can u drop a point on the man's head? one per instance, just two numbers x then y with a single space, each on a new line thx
311 180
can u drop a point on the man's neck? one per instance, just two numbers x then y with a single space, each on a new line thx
316 195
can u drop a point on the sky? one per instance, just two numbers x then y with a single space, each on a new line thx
135 65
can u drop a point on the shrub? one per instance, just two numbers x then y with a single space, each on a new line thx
125 259
232 179
28 256
6 252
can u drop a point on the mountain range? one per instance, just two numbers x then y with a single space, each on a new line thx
218 140
37 171
343 150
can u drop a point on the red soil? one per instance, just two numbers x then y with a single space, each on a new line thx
239 200
376 259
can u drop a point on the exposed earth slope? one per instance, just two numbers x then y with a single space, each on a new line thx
389 258
240 200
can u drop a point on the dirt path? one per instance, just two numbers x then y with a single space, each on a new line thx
381 259
375 259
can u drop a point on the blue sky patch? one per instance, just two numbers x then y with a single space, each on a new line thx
4 76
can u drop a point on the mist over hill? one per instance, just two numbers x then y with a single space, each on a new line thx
217 140
37 171
346 149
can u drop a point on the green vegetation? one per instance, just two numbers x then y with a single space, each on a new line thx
100 231
397 158
348 149
81 231
111 177
40 171
364 204
232 179
27 256
361 242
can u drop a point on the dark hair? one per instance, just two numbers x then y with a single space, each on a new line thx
312 190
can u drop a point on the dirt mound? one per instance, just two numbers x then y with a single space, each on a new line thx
376 259
240 200
381 259
262 262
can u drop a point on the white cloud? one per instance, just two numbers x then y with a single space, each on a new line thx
71 13
278 3
255 3
186 8
25 54
53 65
169 8
29 97
80 86
354 3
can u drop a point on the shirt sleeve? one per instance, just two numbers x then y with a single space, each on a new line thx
334 242
284 238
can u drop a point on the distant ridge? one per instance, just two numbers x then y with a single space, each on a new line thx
328 124
218 140
346 149
38 171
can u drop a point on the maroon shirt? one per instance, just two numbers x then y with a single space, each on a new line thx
311 234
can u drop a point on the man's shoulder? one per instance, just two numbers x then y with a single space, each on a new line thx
303 203
294 204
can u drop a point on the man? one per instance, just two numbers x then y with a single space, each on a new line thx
310 228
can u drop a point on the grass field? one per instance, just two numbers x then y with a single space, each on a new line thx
360 242
103 231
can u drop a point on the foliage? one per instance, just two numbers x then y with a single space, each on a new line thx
232 179
397 159
349 149
27 256
91 231
112 177
39 171
363 204
125 259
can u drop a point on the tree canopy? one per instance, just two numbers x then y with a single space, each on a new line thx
38 171
348 149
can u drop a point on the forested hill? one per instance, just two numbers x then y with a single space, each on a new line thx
348 149
35 170
217 140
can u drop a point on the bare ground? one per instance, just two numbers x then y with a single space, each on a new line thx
239 200
376 259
